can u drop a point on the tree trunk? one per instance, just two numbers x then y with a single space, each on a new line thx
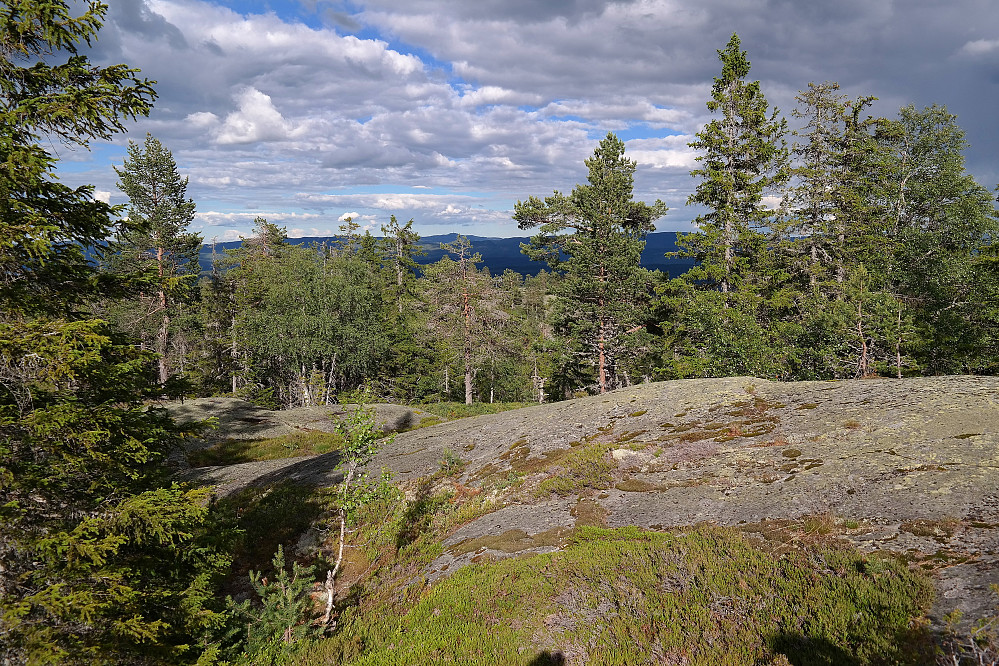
602 357
161 339
306 394
468 375
862 366
161 347
331 575
898 344
468 339
234 354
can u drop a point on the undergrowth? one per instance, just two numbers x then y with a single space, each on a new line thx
628 596
585 466
459 410
294 444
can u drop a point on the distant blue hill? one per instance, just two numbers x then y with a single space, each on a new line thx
499 254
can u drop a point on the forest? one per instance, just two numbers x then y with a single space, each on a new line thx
880 258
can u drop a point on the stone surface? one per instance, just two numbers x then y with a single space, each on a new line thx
914 463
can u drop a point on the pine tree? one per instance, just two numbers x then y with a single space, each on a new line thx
595 237
400 247
156 240
463 311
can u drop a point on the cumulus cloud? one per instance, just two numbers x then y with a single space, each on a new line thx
450 112
255 120
671 152
979 47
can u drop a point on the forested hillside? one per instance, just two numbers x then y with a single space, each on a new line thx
880 258
498 254
854 247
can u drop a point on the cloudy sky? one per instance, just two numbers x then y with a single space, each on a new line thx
449 111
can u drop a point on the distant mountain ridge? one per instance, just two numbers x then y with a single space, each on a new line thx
498 254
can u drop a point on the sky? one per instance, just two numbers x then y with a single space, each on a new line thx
448 112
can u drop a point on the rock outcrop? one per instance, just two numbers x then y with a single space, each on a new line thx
910 467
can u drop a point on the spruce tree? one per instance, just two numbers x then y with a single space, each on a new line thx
834 242
743 156
594 237
103 561
725 315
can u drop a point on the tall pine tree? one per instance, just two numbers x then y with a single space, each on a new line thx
594 237
743 156
724 315
156 240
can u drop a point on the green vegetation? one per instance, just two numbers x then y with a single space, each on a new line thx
459 410
298 443
106 560
627 596
584 466
594 237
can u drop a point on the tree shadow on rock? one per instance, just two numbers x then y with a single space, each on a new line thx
547 658
419 515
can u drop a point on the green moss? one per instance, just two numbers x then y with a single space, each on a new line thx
589 512
579 468
459 410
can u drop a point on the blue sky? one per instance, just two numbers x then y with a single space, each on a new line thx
448 111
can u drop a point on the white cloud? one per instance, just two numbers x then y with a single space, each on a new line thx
671 152
979 47
255 120
202 120
488 102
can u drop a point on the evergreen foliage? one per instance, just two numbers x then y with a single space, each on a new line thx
726 315
594 238
102 561
282 615
463 311
156 246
